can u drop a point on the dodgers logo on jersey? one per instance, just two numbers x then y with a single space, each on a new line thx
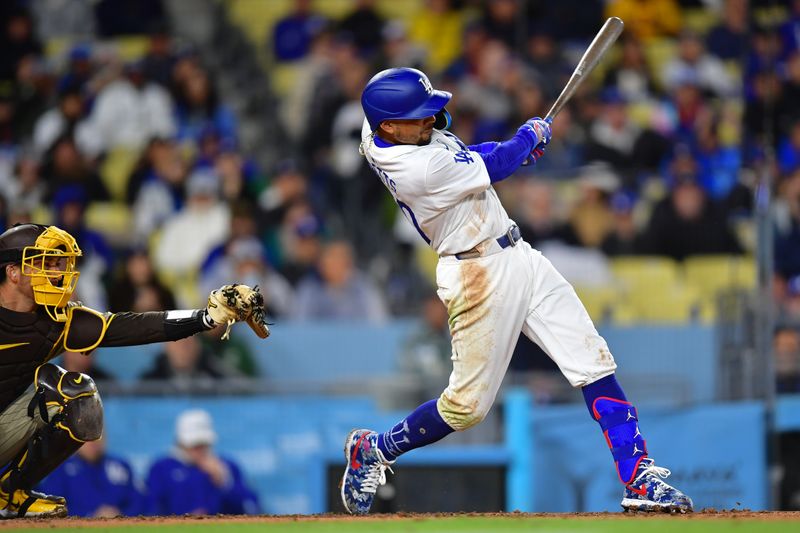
427 85
463 157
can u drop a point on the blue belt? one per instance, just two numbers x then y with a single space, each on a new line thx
510 238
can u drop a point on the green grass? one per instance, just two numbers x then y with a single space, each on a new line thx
440 525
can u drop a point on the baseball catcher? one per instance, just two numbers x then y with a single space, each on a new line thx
47 413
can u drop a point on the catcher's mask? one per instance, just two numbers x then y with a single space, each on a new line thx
47 255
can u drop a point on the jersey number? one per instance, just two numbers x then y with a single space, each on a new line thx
410 215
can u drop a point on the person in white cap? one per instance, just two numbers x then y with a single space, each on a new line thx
194 479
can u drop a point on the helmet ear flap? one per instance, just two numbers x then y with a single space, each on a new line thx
443 120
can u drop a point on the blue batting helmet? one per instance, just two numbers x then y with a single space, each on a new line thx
401 93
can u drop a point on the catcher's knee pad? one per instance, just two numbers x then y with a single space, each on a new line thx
462 413
620 424
78 408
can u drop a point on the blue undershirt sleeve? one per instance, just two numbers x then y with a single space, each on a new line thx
502 159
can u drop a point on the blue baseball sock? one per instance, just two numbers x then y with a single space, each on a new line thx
620 424
422 427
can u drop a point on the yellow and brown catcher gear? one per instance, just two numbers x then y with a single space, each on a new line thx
47 255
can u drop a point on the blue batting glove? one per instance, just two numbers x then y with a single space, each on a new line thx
540 128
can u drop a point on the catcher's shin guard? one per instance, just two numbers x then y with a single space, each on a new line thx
620 424
71 408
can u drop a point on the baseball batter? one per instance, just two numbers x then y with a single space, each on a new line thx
494 286
47 413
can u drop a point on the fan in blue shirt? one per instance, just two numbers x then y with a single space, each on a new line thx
193 479
96 484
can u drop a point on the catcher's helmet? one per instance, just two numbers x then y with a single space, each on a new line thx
47 255
399 93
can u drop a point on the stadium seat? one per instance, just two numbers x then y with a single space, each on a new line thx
600 302
709 274
667 303
116 169
643 272
700 20
112 220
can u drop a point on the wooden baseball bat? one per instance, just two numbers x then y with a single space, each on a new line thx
591 57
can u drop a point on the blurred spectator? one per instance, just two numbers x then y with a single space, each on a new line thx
97 260
63 18
197 107
501 19
287 187
425 353
193 479
64 119
10 134
687 222
693 62
591 218
718 164
33 87
398 50
130 111
790 95
244 261
24 188
543 55
65 167
437 27
623 238
156 187
299 242
203 217
185 366
96 484
127 17
647 19
466 63
787 227
364 25
137 288
728 39
631 76
565 149
763 113
537 216
86 364
338 290
786 348
233 353
292 34
159 60
17 40
616 140
788 31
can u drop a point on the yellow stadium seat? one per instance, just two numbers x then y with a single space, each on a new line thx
600 302
700 20
257 17
673 303
709 274
131 47
111 219
116 169
426 259
643 272
658 52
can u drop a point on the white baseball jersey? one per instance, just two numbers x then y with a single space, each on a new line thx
442 188
493 297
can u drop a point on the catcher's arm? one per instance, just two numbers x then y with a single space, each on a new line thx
238 303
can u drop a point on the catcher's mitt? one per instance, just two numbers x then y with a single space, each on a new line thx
238 303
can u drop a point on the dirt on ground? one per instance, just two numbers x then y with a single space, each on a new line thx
75 522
